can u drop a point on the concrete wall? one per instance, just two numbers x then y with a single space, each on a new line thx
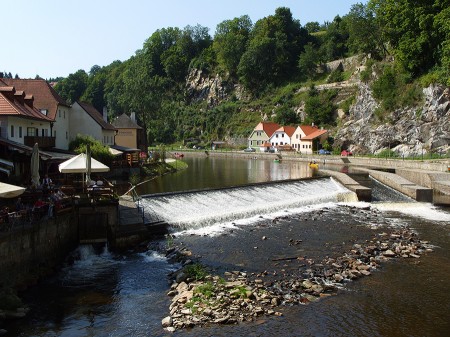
31 251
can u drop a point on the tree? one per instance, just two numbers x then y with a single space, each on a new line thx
230 42
409 27
72 87
308 61
319 107
312 27
143 91
364 31
335 40
285 115
275 45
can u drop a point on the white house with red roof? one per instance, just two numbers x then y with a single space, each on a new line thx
86 120
50 104
21 126
20 121
261 134
306 138
281 138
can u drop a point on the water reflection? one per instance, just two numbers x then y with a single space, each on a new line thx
218 172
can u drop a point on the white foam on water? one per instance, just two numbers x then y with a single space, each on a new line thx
212 212
416 209
152 256
219 228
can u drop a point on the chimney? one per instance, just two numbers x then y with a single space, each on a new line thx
133 117
29 100
105 114
312 124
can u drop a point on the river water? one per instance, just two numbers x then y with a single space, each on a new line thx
107 294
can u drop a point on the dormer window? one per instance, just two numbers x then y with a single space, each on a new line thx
44 111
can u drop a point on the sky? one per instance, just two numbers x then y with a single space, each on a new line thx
53 38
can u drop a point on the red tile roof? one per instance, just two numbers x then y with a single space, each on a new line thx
12 104
45 97
289 130
268 127
96 115
315 134
308 129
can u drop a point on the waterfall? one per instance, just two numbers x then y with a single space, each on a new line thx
206 208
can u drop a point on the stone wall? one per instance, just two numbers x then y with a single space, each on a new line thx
32 251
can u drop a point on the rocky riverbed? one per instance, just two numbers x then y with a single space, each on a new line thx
234 296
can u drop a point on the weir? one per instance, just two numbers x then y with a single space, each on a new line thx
203 208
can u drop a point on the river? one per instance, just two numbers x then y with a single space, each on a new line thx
107 294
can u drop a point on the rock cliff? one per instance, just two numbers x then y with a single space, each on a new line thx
410 131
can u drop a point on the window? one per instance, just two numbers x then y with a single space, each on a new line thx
67 135
59 113
64 114
276 136
20 132
44 112
31 132
282 135
12 131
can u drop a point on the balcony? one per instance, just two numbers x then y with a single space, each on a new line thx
43 142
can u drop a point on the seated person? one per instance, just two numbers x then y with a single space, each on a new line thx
39 203
47 182
19 205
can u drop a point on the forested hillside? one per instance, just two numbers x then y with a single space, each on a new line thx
185 83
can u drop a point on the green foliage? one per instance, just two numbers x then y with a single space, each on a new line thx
73 87
196 271
394 89
286 116
178 165
308 61
345 105
320 108
387 153
230 42
337 75
418 31
98 150
366 74
134 179
205 289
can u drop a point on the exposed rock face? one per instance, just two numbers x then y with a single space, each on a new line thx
410 131
212 89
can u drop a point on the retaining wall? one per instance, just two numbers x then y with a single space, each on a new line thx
31 251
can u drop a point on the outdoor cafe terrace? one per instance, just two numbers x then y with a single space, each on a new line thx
78 186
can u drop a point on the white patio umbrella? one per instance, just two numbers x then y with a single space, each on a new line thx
35 166
88 164
10 191
78 164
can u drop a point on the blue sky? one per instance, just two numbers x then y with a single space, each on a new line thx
54 38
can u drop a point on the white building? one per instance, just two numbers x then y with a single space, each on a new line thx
86 120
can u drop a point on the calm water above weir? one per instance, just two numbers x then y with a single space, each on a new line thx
105 294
